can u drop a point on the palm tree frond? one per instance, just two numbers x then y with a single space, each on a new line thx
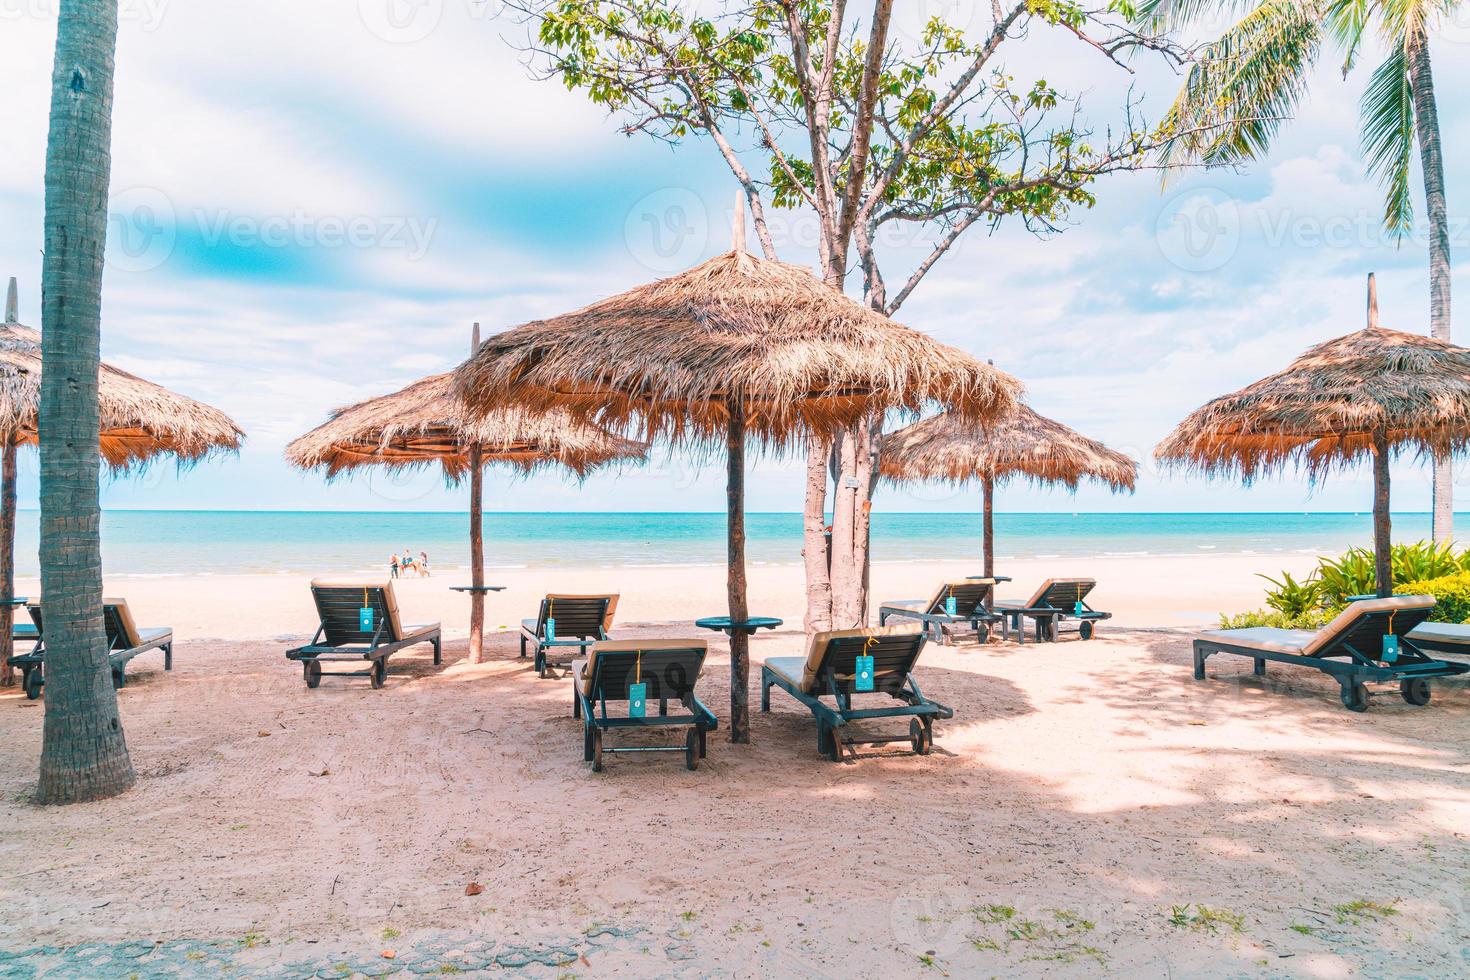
1245 85
1387 111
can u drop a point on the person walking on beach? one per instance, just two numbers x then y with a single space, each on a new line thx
393 565
423 564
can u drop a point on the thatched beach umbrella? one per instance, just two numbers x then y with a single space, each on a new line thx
140 420
1020 443
1367 393
426 423
735 347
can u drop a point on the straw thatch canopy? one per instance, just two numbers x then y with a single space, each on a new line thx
670 355
1323 410
140 419
425 423
1020 443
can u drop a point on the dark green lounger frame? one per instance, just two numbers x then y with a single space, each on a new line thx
1055 606
894 655
1351 658
670 672
340 639
119 650
972 599
580 622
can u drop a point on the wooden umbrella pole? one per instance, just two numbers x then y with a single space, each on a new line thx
477 543
1382 565
7 557
739 611
987 521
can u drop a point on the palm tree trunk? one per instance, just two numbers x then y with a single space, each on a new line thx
1382 537
814 538
83 753
8 455
735 581
1431 158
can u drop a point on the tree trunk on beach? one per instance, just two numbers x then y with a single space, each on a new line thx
477 537
477 556
7 557
739 610
83 753
846 572
1382 536
987 524
1431 159
814 538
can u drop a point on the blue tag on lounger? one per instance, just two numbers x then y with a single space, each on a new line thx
1078 608
950 607
1390 647
863 678
637 700
550 630
365 619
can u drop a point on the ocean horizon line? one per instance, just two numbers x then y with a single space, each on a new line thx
773 513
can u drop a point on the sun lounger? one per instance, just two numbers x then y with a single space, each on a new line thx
953 604
1451 638
668 671
579 621
1057 601
1351 649
830 669
125 640
347 633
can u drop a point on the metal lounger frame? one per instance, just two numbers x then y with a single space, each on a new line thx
699 721
1353 674
901 686
375 650
581 634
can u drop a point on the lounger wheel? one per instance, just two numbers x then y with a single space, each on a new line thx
597 750
311 670
921 735
1084 629
1415 690
1355 697
378 675
33 684
691 749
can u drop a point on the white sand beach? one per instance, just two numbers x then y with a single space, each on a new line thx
1091 808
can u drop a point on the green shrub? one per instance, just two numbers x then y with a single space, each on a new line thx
1451 594
1292 598
1308 620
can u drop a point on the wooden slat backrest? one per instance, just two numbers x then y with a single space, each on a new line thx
893 658
575 615
669 674
339 606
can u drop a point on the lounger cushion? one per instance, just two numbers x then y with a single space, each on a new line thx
788 668
414 630
1308 643
529 625
153 635
628 646
1456 633
816 651
1343 620
1266 638
1035 601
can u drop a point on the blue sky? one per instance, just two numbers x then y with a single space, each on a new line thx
316 200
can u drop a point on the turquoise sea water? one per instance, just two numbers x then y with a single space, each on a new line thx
219 542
